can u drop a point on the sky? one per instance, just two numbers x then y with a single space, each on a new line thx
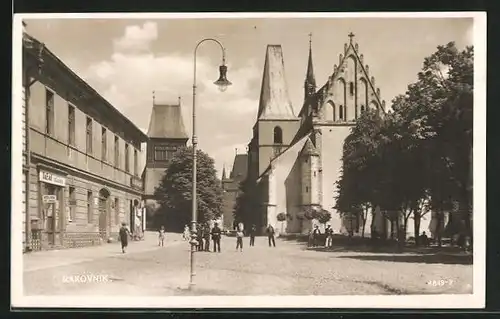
125 60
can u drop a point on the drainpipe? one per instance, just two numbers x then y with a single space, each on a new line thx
28 82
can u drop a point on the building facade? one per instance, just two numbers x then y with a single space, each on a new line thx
231 188
81 157
166 134
294 161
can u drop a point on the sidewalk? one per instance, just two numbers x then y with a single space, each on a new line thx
55 258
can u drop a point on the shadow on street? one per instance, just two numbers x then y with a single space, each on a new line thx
439 258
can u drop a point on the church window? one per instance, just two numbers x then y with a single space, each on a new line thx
314 173
341 112
351 88
278 135
362 108
307 189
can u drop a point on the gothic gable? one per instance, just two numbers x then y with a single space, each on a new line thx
350 90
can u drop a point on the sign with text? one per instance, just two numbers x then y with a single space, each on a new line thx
50 178
49 199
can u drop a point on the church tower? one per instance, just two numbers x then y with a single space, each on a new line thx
166 134
276 123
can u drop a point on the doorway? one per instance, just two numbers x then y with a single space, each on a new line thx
51 213
103 206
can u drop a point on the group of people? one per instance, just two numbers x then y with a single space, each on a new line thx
315 237
205 234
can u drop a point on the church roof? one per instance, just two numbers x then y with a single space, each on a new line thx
274 102
240 167
166 122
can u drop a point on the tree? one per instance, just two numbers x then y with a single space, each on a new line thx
246 206
281 218
419 154
322 216
175 189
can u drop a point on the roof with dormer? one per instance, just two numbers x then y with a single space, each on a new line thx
274 101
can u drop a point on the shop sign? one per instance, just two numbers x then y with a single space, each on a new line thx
50 178
49 199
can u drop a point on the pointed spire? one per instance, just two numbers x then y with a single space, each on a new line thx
274 102
224 171
310 82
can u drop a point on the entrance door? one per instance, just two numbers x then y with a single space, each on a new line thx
51 214
103 213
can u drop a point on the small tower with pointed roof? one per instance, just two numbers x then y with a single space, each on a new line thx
166 134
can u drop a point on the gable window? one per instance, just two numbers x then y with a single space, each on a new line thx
104 144
351 88
341 112
49 112
278 135
89 135
117 152
127 159
71 124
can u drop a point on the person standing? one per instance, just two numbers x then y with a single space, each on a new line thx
316 235
239 239
186 234
199 236
216 234
329 236
253 232
161 236
206 236
270 235
124 233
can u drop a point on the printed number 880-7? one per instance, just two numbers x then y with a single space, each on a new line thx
439 283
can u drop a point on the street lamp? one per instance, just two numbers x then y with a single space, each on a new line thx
222 84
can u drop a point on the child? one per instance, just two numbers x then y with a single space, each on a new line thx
239 239
161 236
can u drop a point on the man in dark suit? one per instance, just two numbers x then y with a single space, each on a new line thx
216 235
253 232
270 235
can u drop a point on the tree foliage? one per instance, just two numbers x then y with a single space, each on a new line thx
418 153
281 217
175 189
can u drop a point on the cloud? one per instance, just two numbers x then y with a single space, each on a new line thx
137 38
128 77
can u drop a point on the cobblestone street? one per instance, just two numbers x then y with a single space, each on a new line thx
288 269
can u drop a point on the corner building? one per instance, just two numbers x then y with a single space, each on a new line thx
83 157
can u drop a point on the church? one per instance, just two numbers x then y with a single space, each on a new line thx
294 160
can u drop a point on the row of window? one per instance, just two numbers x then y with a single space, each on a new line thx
90 206
49 130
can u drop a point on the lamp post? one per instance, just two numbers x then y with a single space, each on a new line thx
222 83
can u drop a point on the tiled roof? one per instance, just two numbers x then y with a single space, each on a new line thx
166 122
